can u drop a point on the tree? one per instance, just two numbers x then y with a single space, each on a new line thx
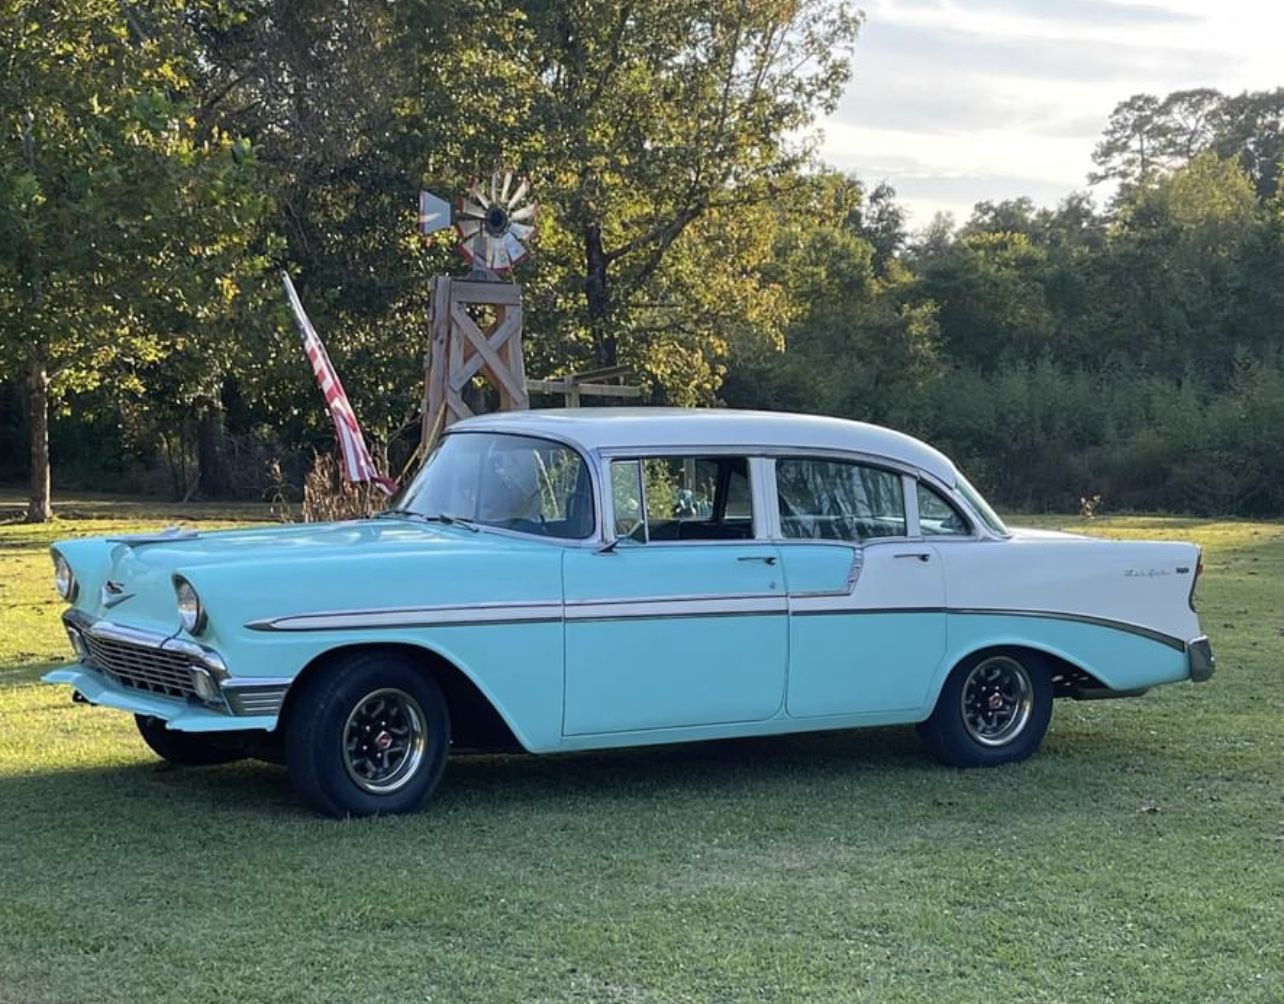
115 212
1129 149
1250 127
654 119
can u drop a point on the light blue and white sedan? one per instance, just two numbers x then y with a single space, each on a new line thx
570 580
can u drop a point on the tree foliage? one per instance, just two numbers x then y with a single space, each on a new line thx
162 160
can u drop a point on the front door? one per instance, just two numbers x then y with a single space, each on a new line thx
683 622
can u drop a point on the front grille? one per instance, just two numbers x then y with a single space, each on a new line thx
141 667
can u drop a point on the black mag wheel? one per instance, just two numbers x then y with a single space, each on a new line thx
367 735
996 700
994 708
185 748
384 740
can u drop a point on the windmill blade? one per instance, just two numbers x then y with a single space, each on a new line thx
471 210
475 190
494 186
520 194
468 228
513 248
497 257
520 230
525 213
503 192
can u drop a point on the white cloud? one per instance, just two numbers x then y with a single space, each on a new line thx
951 99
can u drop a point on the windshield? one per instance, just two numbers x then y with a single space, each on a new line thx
981 507
512 482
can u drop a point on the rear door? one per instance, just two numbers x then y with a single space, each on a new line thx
867 622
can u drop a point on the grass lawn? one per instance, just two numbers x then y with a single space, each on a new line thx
1139 857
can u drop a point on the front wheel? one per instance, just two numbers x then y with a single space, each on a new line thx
994 708
183 748
368 736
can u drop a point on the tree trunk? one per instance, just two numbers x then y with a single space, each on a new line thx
605 348
214 478
39 506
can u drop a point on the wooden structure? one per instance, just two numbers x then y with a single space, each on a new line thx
590 383
463 347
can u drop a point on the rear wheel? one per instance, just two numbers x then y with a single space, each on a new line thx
185 748
994 708
368 735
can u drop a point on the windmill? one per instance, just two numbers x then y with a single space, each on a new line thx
494 226
476 322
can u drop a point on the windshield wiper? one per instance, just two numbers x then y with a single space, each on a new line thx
440 517
395 512
463 521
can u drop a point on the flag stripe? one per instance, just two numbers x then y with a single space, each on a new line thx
358 465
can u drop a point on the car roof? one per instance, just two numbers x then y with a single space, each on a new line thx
626 428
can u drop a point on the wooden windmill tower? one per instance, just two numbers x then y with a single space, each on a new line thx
476 322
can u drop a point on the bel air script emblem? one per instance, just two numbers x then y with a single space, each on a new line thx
113 593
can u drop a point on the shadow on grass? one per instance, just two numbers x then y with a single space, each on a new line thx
886 771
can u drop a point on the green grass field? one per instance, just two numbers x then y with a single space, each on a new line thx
1139 857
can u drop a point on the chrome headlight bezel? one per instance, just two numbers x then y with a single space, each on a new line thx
191 611
65 579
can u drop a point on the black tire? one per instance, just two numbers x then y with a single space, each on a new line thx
185 748
336 728
972 727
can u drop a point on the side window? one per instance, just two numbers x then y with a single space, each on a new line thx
937 517
682 498
626 499
835 500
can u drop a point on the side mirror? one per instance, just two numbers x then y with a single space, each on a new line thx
610 546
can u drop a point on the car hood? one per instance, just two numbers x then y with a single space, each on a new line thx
131 579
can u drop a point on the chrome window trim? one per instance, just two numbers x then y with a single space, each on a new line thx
833 457
631 455
909 495
587 457
599 459
951 498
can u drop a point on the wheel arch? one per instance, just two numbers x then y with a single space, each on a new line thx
476 721
1070 678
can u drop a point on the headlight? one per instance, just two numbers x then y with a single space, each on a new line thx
64 579
190 612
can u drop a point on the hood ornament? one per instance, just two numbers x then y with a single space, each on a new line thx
113 593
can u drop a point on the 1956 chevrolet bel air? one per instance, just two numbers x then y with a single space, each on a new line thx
569 580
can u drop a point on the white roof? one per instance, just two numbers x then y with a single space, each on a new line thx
626 428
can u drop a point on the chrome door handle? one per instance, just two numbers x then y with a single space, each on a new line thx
768 559
920 555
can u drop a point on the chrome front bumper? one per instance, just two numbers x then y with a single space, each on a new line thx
1202 660
178 673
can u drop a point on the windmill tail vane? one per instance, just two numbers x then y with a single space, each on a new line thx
494 222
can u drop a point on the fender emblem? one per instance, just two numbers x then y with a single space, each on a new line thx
113 593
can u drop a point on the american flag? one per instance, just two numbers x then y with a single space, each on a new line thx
357 463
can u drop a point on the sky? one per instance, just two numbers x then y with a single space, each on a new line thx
957 101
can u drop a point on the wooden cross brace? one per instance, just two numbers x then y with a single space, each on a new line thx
462 349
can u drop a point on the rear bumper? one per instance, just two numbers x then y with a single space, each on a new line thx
183 716
1202 661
